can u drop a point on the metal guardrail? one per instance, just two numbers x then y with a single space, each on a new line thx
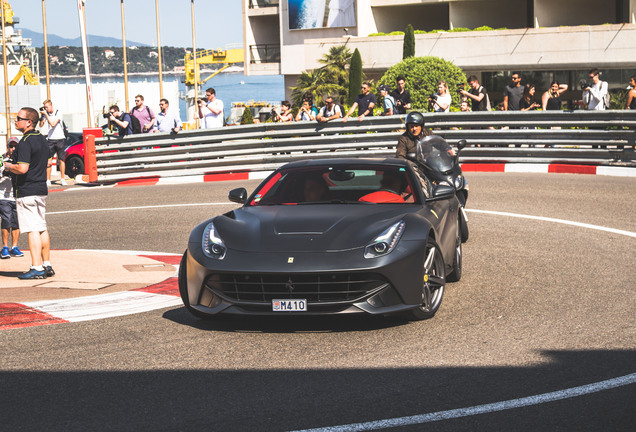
535 137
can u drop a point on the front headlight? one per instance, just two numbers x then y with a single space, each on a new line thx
212 244
385 242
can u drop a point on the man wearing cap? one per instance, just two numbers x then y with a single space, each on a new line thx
31 192
389 102
8 212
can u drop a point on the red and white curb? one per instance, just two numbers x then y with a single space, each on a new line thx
44 312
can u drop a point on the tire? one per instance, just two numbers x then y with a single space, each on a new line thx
456 274
463 226
183 288
433 283
74 166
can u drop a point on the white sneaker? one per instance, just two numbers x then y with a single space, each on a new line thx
63 182
48 182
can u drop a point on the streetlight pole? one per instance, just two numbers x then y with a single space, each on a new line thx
159 50
87 71
46 52
123 38
7 103
194 57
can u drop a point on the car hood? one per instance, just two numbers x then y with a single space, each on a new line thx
307 228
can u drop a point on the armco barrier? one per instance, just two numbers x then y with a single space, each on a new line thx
578 137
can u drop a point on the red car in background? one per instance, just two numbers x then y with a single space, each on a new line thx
74 154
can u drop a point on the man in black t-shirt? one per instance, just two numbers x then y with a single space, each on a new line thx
402 96
32 154
365 103
477 94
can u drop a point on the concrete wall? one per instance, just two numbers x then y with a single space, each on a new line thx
428 17
605 46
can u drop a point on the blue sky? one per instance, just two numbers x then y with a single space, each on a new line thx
217 22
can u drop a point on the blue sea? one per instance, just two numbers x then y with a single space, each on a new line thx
229 87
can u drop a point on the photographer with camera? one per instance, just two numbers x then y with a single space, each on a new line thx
401 96
8 212
477 94
283 113
596 94
51 121
119 119
210 110
441 101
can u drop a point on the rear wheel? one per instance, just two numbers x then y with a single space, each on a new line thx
74 166
433 283
463 224
456 274
183 288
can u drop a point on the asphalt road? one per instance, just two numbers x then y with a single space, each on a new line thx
541 307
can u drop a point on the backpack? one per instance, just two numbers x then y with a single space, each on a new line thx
488 106
606 97
136 125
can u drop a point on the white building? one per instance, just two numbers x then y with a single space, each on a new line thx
542 39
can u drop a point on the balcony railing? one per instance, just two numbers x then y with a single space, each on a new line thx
263 3
264 53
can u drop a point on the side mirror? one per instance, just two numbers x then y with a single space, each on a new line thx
461 144
441 192
238 195
411 156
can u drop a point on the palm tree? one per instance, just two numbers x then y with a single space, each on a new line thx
336 62
317 83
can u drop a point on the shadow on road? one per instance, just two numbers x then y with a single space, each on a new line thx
271 400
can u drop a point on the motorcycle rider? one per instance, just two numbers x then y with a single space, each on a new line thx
415 130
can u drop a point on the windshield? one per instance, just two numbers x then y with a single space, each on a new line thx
433 151
338 184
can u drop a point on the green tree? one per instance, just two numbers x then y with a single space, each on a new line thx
336 64
316 82
355 76
247 117
408 47
422 75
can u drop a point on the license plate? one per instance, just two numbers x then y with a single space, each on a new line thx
296 305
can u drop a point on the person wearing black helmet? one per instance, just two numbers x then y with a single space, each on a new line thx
415 130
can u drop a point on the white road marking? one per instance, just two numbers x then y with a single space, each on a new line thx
561 221
105 305
138 208
483 409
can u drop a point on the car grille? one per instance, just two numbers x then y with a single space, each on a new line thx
316 289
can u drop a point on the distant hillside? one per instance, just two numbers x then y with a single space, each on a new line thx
93 41
68 60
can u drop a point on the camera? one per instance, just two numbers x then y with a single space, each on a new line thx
203 101
433 96
106 115
460 87
584 85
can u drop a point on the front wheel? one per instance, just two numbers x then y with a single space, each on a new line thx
433 283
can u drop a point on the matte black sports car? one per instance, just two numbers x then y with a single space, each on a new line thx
331 236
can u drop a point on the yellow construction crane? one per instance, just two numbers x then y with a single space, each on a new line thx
19 52
225 57
25 72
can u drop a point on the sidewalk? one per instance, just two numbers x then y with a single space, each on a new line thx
88 284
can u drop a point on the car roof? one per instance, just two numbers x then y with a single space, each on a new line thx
347 161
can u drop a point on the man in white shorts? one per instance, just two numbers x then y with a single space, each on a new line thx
32 156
